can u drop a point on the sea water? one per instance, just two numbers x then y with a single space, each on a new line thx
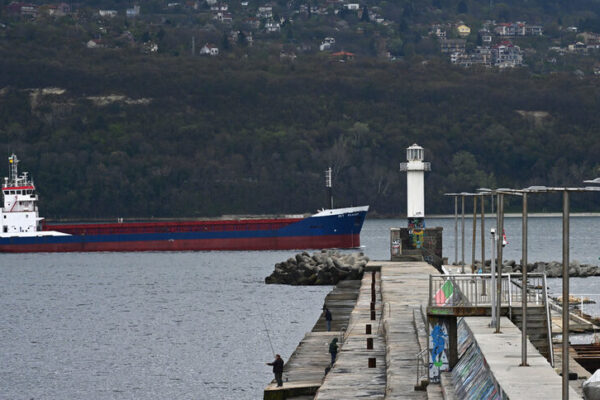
188 325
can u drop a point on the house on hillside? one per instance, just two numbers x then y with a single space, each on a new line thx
209 50
22 9
252 23
507 55
133 12
95 44
450 46
463 30
265 11
534 30
343 56
107 13
327 44
437 30
58 10
272 26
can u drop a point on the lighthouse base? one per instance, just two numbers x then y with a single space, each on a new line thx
429 244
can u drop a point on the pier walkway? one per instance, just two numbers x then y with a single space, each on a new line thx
351 376
304 371
405 287
503 354
380 341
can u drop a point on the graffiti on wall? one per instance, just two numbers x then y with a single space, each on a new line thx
438 350
416 232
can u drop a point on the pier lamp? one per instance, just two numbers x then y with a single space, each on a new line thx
499 193
565 272
484 192
523 194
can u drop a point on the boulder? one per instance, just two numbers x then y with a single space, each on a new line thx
323 268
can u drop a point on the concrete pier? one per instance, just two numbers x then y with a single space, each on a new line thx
384 332
304 371
359 372
502 351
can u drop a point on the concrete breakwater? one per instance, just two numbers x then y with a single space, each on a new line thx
553 269
326 267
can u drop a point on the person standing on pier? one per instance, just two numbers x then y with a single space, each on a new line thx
328 319
278 369
333 349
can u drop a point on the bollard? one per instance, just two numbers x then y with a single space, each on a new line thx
372 362
372 315
368 329
369 343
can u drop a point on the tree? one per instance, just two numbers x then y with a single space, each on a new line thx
365 14
241 39
225 42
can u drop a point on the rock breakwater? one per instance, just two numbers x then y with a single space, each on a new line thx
553 269
327 267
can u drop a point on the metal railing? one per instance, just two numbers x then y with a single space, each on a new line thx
474 290
548 322
422 358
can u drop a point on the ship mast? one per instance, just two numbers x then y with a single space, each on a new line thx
13 171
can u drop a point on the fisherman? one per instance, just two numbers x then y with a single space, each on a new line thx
328 318
278 369
333 348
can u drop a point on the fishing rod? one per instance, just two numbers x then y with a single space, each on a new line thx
266 330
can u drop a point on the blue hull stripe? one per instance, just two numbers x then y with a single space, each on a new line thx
343 224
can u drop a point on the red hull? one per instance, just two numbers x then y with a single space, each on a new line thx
274 243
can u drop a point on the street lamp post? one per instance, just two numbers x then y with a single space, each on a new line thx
483 235
524 282
524 219
474 234
499 244
462 234
565 270
456 229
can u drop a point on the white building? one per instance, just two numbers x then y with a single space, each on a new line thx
209 50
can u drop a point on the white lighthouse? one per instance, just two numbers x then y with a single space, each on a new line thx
415 186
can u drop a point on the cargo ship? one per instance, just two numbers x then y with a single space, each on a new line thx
24 231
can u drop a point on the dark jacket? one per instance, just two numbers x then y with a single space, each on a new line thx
277 365
333 347
328 315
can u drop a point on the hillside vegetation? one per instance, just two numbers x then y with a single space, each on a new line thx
129 134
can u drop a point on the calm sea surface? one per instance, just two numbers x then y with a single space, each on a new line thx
187 325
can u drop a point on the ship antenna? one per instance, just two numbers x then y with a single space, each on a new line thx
329 185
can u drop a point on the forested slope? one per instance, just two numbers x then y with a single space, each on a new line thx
203 136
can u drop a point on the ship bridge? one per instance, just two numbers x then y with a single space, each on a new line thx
20 212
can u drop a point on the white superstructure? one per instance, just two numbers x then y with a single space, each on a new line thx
415 181
19 215
341 211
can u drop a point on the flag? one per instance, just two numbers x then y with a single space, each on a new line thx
444 293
